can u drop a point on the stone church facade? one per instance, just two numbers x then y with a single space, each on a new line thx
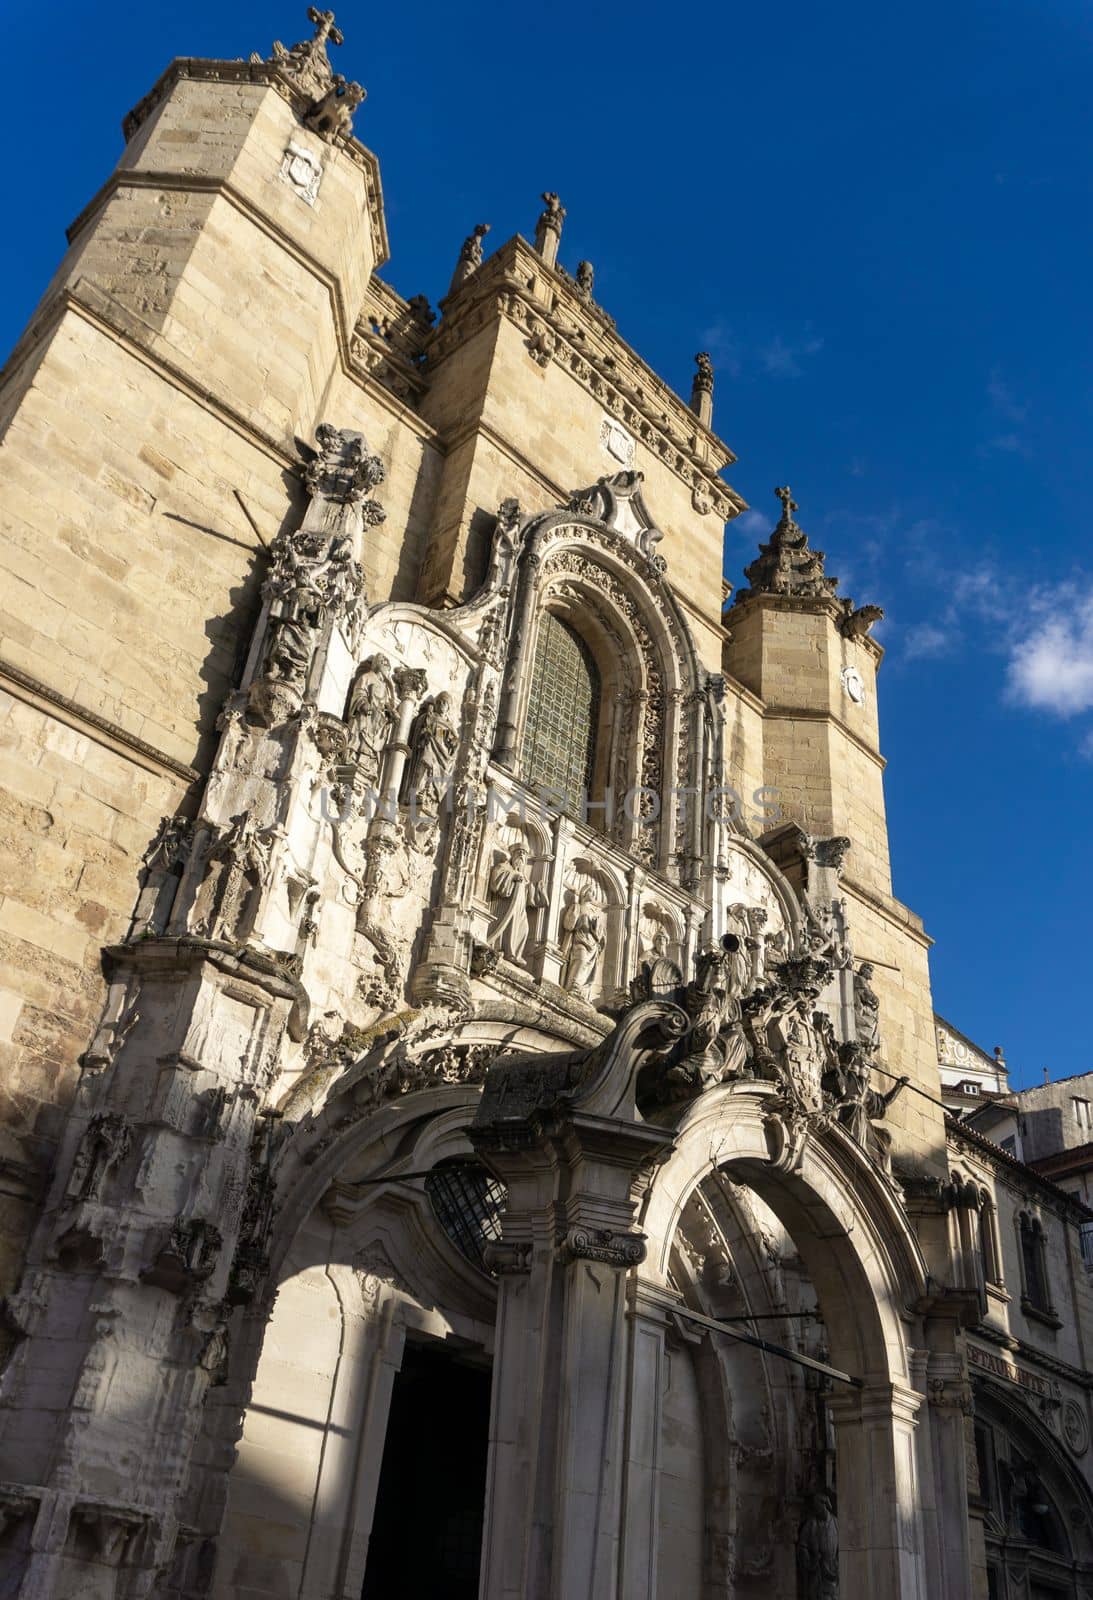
472 1120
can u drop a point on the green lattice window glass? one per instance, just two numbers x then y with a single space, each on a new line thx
559 750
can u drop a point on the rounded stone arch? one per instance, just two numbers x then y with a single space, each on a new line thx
868 1273
653 719
752 1406
1001 1412
359 1268
747 875
852 1235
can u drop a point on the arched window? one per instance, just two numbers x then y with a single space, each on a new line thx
1037 1295
988 1240
559 749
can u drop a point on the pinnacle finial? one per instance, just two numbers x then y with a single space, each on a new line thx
702 388
789 504
325 31
470 256
307 66
548 229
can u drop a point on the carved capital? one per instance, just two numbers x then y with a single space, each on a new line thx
610 1249
508 1257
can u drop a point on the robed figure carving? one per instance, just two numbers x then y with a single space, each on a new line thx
584 941
373 699
818 1552
434 741
515 895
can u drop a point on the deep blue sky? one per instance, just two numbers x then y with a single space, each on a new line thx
879 222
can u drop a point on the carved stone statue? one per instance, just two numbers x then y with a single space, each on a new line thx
296 611
421 311
826 926
373 699
583 941
866 1009
236 863
657 973
434 741
104 1146
470 256
786 564
586 275
855 623
332 114
511 887
548 229
818 1552
715 1046
857 1104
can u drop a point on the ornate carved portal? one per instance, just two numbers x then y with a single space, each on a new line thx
375 914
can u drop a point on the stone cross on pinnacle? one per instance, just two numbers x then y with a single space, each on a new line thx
789 505
324 28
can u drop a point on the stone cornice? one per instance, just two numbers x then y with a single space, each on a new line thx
1015 1173
816 605
1032 1354
33 692
516 284
740 691
888 907
271 77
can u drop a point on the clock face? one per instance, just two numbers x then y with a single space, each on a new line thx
854 684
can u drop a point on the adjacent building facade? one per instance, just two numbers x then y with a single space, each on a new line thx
472 1112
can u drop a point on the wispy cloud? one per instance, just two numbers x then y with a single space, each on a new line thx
923 640
1044 632
776 355
754 525
985 592
724 348
1003 399
782 358
1008 414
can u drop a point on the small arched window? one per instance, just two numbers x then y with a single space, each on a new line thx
988 1240
1034 1264
559 748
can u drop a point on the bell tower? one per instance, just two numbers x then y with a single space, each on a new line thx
810 658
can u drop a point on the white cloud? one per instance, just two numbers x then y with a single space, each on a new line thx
985 593
924 639
1051 668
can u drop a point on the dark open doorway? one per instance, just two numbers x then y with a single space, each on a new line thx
426 1538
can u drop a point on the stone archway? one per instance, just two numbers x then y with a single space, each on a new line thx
865 1263
362 1270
